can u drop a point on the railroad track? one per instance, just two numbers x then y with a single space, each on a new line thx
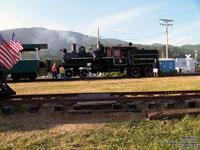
106 95
106 102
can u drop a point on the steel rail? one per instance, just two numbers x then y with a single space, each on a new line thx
114 94
162 98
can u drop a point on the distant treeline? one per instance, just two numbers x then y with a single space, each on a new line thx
173 51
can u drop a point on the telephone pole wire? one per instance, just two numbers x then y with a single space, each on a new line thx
166 24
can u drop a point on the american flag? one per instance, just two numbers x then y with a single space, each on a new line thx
8 56
14 43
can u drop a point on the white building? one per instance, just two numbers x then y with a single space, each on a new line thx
181 65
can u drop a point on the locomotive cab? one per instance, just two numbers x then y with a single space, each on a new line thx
136 62
119 57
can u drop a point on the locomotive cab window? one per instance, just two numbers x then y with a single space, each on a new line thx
123 53
117 53
109 52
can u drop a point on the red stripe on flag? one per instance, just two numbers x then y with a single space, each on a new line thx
4 60
3 64
10 51
7 55
14 53
7 62
13 46
17 46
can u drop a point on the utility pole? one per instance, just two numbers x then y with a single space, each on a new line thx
98 41
166 24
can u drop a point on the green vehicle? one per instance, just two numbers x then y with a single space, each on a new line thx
29 65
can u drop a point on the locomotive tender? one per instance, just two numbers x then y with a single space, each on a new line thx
107 59
29 65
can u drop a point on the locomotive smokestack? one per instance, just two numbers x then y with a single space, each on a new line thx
73 48
130 44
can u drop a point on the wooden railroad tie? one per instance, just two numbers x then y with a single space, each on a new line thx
94 104
102 111
172 113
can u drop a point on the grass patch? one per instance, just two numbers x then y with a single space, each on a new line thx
109 85
136 135
140 135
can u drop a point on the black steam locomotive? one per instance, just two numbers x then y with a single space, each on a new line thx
107 59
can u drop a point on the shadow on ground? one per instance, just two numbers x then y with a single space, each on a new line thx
46 118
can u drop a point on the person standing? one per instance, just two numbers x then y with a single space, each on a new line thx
155 68
62 72
54 71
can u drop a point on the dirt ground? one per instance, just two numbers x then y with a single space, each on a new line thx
48 119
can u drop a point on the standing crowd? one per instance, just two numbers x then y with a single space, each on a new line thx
55 72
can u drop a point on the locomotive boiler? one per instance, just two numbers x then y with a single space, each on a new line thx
107 59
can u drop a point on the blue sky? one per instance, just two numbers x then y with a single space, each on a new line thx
131 20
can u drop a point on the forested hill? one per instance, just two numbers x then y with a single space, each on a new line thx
57 39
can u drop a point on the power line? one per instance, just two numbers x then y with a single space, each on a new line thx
146 37
139 37
184 34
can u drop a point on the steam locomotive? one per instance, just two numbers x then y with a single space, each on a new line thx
107 59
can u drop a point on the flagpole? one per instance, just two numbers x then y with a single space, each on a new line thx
3 74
